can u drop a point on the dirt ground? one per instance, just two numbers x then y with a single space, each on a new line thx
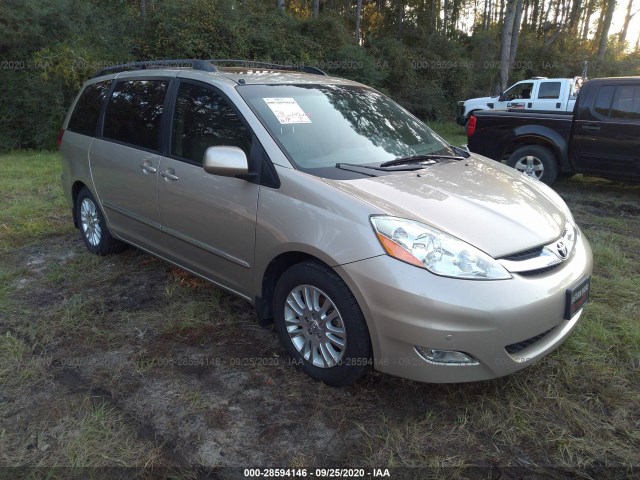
128 361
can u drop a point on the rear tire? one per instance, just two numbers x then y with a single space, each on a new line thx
320 324
535 161
93 227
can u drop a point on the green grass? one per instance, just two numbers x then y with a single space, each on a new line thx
95 435
33 205
451 132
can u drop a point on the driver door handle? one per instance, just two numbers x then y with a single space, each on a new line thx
169 175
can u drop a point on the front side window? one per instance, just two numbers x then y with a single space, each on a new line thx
134 112
319 126
204 119
84 118
549 90
519 91
602 103
626 102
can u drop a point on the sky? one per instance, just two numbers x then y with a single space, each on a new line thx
634 25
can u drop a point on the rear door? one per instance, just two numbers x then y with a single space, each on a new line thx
606 137
209 220
125 160
550 95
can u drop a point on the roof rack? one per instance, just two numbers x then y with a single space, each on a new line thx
269 65
195 64
203 65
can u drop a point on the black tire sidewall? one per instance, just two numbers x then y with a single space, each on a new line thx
357 357
107 243
547 158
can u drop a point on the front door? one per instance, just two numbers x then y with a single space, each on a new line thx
517 97
606 137
209 220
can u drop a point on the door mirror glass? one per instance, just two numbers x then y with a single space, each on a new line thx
225 161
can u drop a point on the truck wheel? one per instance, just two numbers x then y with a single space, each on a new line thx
536 161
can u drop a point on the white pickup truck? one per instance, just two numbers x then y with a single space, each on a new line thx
537 93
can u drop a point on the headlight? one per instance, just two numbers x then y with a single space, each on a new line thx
429 248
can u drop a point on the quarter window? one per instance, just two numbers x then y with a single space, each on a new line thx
84 118
134 112
204 119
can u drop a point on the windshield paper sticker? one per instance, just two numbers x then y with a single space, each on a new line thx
287 110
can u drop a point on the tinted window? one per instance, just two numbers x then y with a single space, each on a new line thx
549 90
135 111
602 104
626 102
204 119
84 118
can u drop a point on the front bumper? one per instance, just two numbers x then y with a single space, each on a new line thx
406 307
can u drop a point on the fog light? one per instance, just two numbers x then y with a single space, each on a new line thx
445 357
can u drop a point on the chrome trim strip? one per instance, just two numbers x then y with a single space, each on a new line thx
552 254
135 216
205 247
546 259
179 265
178 235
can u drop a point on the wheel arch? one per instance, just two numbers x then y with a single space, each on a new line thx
75 191
550 140
276 267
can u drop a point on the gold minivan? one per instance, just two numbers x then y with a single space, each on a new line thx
363 235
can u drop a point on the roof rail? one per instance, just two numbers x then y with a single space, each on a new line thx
268 65
203 65
195 64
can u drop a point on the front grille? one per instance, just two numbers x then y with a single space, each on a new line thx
540 271
518 347
525 254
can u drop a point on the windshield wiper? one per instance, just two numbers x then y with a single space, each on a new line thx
418 159
380 168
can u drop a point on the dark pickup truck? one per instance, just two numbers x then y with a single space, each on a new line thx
600 137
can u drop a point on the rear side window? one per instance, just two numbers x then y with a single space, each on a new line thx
602 104
550 90
84 118
204 119
626 102
134 112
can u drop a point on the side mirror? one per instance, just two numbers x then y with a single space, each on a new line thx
501 97
225 161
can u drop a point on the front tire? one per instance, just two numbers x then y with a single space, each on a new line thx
535 161
93 227
320 324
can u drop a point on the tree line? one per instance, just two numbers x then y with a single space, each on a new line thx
426 54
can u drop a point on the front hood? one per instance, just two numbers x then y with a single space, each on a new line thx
480 201
481 101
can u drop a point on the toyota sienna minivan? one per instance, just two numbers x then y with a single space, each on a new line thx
366 238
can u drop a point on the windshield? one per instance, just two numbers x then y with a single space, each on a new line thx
319 126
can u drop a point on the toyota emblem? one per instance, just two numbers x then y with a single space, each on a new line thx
562 250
